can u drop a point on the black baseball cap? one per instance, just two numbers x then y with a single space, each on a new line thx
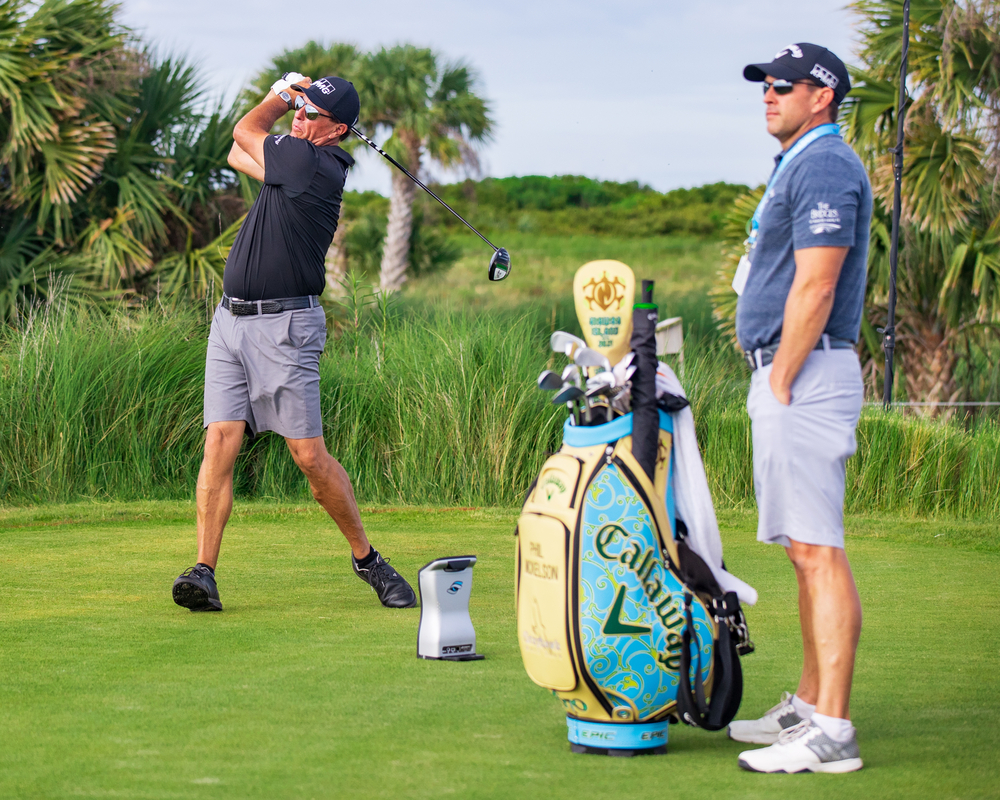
805 61
336 96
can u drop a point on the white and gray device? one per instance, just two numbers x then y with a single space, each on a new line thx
446 632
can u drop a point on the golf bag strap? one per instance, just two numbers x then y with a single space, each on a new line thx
691 703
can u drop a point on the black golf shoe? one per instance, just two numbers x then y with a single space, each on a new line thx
392 589
195 589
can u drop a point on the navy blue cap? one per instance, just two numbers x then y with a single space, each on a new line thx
337 96
805 61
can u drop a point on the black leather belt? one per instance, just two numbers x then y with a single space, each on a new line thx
250 308
767 353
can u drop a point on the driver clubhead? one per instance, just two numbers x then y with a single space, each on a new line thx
500 265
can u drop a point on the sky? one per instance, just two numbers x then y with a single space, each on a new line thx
645 91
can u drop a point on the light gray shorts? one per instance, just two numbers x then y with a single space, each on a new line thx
800 451
265 370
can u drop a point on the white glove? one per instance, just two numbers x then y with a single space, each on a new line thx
621 368
286 80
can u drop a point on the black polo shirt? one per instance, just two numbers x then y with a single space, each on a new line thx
280 250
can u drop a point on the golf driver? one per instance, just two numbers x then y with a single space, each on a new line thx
499 262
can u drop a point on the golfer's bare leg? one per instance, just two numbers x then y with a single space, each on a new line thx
835 611
215 486
808 689
332 489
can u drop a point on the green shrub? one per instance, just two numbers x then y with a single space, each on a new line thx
420 405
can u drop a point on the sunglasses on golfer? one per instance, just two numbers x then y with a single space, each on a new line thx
781 86
311 111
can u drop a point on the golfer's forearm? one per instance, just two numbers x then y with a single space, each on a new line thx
807 311
242 162
258 121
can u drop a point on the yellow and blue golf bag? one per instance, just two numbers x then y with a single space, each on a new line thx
622 621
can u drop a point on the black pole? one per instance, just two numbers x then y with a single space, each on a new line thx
889 334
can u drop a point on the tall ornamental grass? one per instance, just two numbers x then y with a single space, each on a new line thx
420 406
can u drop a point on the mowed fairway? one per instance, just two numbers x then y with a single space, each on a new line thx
306 688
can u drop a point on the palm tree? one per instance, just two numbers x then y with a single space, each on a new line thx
61 64
949 265
107 163
431 111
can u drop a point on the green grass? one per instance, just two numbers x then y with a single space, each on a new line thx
543 268
304 687
421 405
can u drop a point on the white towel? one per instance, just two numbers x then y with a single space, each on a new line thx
692 500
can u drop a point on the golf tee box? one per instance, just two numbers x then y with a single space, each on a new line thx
446 632
604 293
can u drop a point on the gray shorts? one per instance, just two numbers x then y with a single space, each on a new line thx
800 451
265 370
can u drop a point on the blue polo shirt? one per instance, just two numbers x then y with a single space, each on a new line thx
822 199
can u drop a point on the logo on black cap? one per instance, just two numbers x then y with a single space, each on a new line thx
792 50
325 86
823 74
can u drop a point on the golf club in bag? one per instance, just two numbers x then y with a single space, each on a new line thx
616 615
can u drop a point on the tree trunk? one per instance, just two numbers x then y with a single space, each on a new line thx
336 261
928 361
396 248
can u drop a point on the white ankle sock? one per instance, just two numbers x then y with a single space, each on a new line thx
802 708
840 730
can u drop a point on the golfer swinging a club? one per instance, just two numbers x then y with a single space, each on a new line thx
802 286
267 335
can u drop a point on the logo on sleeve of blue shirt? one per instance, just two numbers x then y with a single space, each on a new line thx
277 139
824 219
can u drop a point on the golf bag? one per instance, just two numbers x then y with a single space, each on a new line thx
616 615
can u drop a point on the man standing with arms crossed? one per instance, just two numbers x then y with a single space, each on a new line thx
262 368
802 288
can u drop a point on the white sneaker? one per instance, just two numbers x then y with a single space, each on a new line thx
804 748
766 729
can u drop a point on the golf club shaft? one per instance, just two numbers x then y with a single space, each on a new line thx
406 172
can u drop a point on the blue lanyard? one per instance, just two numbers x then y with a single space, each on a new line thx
823 130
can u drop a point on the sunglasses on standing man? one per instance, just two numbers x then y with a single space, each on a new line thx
780 86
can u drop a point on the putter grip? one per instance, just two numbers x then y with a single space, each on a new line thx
645 415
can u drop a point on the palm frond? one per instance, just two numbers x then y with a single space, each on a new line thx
197 273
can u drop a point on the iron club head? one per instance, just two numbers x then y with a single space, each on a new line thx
568 394
585 357
500 265
572 375
548 381
565 343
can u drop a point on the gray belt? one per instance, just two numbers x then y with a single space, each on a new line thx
763 356
250 308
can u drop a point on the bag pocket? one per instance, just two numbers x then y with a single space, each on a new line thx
542 628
